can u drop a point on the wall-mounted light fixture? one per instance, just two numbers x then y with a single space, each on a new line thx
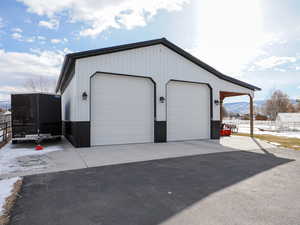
161 99
217 102
84 96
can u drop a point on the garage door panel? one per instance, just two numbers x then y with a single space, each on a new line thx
122 110
188 111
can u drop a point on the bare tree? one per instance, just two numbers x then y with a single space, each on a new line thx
40 84
297 107
224 112
279 102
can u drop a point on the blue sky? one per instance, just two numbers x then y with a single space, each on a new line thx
257 41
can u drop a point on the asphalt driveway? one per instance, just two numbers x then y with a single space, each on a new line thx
237 187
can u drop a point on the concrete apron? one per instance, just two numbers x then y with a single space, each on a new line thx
77 158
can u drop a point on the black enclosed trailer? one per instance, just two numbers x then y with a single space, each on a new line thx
35 116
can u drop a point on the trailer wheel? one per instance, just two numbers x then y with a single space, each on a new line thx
14 142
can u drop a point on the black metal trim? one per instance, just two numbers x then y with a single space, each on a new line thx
160 131
77 132
70 59
128 75
215 128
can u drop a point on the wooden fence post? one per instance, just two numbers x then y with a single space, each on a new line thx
5 132
251 116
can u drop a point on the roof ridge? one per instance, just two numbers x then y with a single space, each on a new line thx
71 57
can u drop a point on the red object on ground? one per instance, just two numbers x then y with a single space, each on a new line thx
39 147
225 132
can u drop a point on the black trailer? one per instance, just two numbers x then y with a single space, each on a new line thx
35 116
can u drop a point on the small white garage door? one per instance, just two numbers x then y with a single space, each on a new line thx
122 110
188 111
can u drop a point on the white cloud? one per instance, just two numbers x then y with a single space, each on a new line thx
41 38
1 23
16 67
67 51
57 41
101 15
11 89
230 34
274 61
16 36
30 39
297 67
51 24
17 30
36 63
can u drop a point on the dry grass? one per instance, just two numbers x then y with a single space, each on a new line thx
286 142
9 202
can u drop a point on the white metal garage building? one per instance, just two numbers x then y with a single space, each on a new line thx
150 91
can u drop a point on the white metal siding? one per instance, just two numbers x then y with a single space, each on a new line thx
188 111
122 110
157 61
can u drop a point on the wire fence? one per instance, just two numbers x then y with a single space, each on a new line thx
268 125
5 132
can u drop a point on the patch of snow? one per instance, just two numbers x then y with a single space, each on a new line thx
244 128
6 186
14 158
274 143
264 126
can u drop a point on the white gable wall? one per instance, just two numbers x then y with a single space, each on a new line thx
158 62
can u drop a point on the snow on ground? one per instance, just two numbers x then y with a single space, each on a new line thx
245 128
6 187
274 143
265 127
22 157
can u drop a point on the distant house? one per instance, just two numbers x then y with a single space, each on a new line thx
5 117
288 121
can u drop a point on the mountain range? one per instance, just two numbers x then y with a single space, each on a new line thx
243 107
4 105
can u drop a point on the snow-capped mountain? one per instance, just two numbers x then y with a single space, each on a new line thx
243 107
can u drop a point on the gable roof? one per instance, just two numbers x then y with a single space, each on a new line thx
69 61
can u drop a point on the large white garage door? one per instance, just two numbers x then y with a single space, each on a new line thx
188 111
122 109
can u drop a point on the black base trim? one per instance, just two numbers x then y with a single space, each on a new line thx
215 127
160 131
77 132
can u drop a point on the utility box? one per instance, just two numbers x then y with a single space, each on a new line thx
35 116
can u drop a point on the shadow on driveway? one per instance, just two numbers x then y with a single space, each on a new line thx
261 147
143 193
